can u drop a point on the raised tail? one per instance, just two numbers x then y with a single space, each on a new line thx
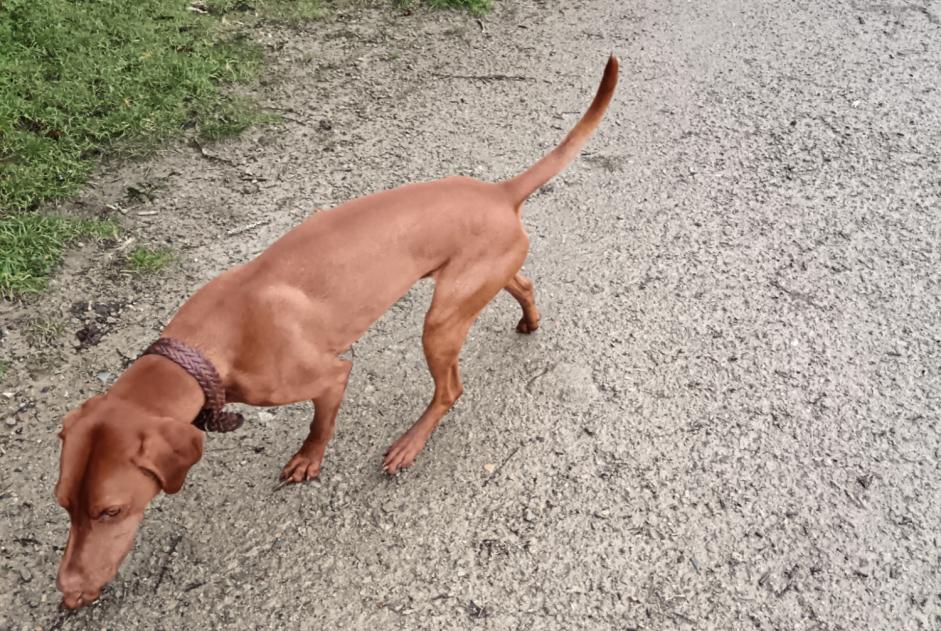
524 184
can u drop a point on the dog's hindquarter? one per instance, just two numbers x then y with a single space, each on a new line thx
354 261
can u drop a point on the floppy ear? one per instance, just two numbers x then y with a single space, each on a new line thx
72 460
85 410
75 438
168 451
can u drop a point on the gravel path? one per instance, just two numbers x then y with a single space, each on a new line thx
729 419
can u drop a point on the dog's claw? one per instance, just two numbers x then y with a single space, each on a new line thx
280 485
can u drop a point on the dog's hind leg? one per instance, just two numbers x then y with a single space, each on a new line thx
442 341
521 288
461 293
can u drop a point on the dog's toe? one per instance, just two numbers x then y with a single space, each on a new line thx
394 460
526 326
402 454
301 468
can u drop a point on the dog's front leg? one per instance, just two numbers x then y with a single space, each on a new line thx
305 464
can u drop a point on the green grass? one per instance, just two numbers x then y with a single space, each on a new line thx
83 79
44 332
287 11
146 260
31 245
78 79
477 7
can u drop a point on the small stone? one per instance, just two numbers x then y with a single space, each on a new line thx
104 377
476 611
11 421
265 417
26 575
490 468
9 395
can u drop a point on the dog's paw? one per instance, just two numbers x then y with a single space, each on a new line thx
525 326
301 467
401 455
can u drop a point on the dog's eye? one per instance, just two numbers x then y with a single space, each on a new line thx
114 511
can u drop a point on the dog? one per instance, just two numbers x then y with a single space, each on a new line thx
271 332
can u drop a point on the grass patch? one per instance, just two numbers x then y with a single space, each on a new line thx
147 260
43 333
31 245
289 11
78 79
231 116
476 7
83 79
4 367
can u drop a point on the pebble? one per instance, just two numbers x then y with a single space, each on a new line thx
26 575
490 468
104 377
11 421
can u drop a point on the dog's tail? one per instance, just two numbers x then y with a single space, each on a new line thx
524 184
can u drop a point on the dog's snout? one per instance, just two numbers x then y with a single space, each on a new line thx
76 600
72 600
76 589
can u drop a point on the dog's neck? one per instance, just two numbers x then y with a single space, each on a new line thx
161 387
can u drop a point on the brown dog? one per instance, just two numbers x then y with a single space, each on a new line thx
273 329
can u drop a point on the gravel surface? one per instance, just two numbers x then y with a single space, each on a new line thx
728 420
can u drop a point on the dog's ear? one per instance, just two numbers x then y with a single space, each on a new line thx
168 451
75 437
83 412
72 461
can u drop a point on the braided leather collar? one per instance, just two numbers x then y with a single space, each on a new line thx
211 418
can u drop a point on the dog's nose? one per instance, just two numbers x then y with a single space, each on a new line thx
76 600
73 600
74 595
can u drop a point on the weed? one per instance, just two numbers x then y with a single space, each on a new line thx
4 367
145 190
476 7
230 117
148 260
31 245
43 333
286 11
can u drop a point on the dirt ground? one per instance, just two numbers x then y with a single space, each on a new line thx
729 419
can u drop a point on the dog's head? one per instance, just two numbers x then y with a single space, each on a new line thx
115 459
